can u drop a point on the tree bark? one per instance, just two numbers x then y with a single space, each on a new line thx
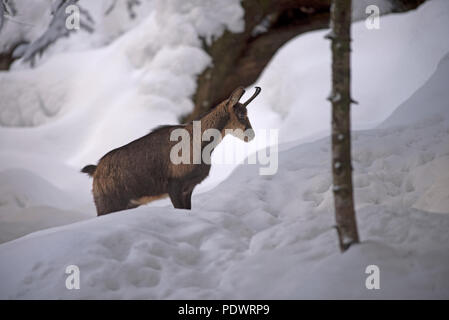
340 98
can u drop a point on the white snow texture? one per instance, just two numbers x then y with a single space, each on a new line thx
250 236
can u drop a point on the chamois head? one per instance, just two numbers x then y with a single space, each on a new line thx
238 116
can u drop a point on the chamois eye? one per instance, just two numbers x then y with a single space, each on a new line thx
241 116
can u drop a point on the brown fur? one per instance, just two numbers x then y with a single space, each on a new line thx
148 199
141 171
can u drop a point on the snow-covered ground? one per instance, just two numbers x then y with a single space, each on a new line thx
268 236
251 236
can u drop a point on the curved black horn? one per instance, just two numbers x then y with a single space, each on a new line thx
254 95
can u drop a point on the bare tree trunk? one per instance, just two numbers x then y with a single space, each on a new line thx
340 98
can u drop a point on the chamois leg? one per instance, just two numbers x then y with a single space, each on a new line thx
175 193
190 183
187 199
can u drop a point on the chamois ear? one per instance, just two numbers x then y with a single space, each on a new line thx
235 97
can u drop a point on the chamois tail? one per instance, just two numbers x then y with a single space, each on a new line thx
89 169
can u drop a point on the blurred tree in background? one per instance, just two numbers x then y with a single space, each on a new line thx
239 58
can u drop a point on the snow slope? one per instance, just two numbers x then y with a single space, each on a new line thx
430 101
266 236
76 106
29 203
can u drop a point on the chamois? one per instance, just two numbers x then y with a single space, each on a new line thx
142 171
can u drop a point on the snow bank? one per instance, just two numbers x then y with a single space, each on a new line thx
29 203
388 66
427 101
250 228
430 101
262 236
75 107
30 21
36 18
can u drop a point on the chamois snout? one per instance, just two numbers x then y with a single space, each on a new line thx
240 123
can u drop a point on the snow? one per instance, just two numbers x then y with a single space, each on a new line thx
106 97
431 93
388 65
32 19
29 203
252 236
252 228
28 25
255 227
